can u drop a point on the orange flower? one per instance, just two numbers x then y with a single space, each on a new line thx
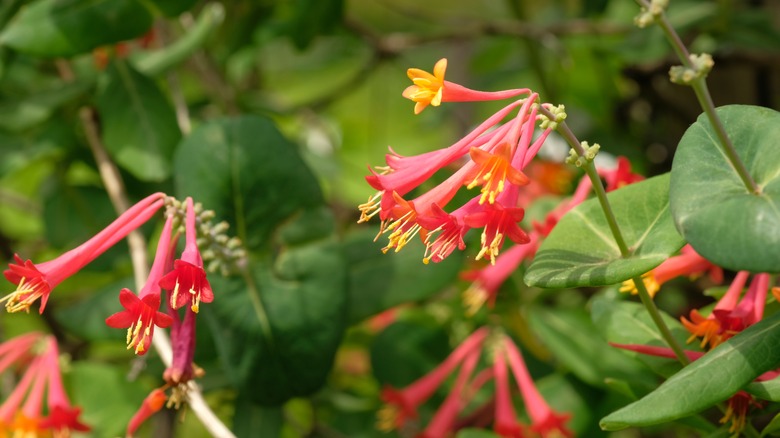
428 88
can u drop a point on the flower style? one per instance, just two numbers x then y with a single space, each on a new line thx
188 281
402 405
688 263
36 281
432 89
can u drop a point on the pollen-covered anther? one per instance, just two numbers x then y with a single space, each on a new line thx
403 230
370 208
24 296
386 418
492 249
494 168
474 298
648 278
441 246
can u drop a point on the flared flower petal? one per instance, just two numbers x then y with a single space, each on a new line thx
140 317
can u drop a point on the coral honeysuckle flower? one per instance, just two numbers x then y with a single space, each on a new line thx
505 422
443 420
432 89
493 169
141 312
736 411
731 315
151 404
182 369
402 404
63 417
498 222
688 263
188 281
36 281
443 232
544 420
404 174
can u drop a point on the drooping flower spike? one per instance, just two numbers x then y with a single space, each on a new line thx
36 281
187 282
142 312
432 89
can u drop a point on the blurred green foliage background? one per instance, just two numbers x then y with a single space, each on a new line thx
269 112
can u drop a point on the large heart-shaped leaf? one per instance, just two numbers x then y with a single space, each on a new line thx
713 378
581 251
138 123
711 206
70 27
278 325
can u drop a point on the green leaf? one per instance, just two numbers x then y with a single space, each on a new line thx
772 428
138 123
172 8
709 380
574 341
406 351
580 251
309 18
280 330
154 62
88 385
766 390
475 433
380 281
73 214
21 114
251 420
709 199
86 318
624 322
69 27
279 325
250 175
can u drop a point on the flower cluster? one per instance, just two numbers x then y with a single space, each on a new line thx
183 279
24 412
733 313
402 405
492 156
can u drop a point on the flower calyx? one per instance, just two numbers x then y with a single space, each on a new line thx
589 154
651 13
700 67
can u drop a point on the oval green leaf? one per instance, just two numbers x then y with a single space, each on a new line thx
138 123
712 207
70 27
278 326
715 377
580 251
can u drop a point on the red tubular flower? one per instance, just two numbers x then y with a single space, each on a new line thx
36 281
731 315
444 418
63 417
544 420
402 404
141 312
493 169
432 89
499 222
738 406
188 281
151 404
505 422
25 419
183 345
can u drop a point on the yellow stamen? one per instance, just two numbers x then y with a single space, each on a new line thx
386 418
370 208
195 300
648 278
23 297
474 298
491 249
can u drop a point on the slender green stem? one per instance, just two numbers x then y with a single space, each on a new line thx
598 187
625 252
655 314
705 101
